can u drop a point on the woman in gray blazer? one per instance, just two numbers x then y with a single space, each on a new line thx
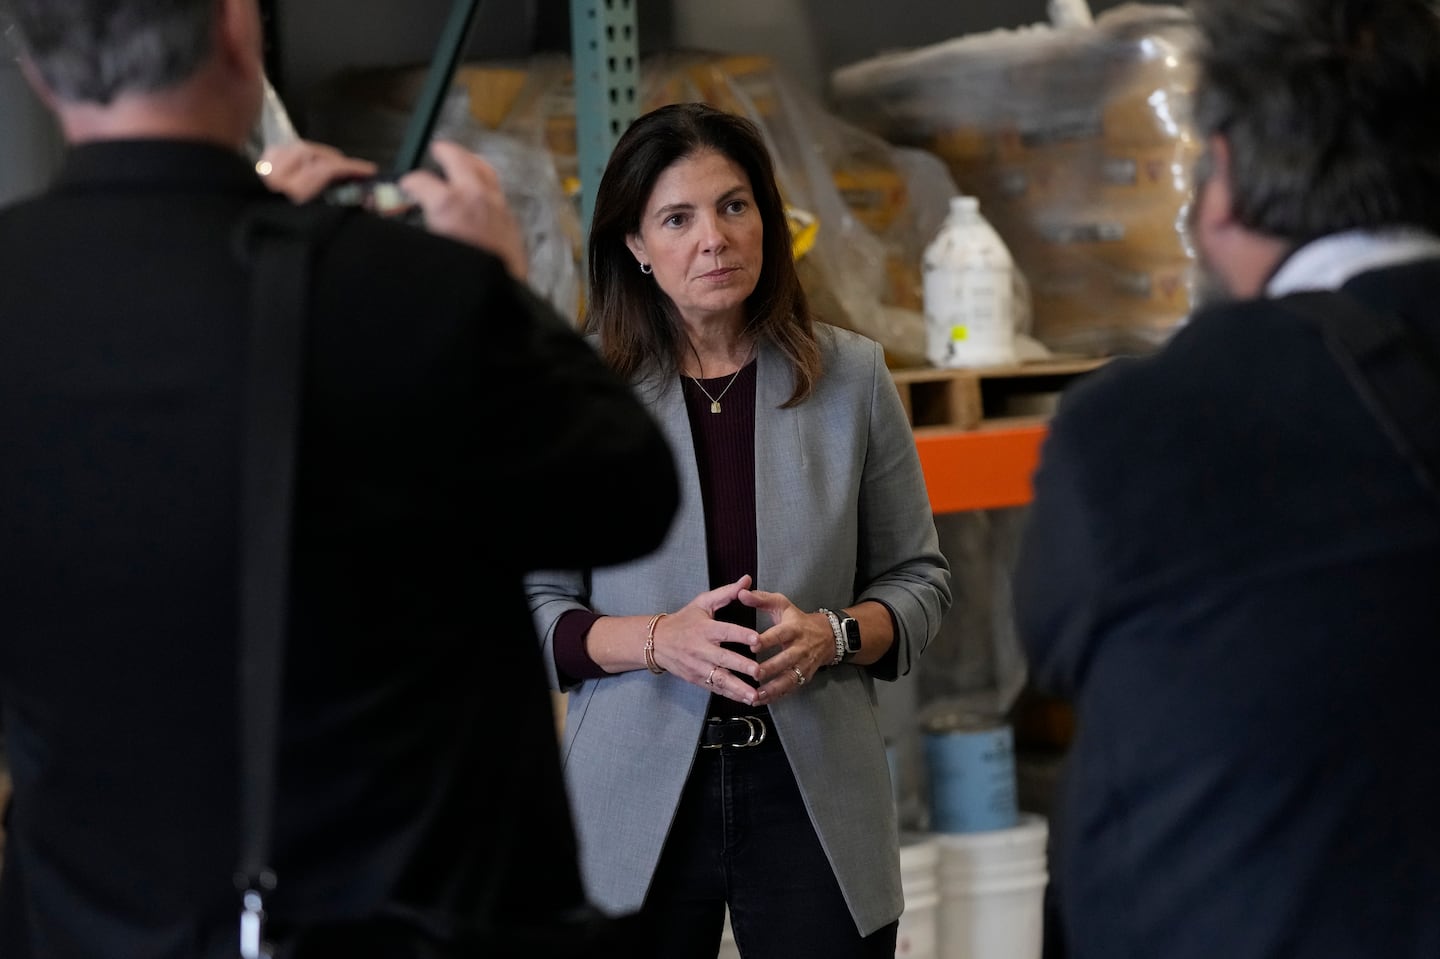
722 744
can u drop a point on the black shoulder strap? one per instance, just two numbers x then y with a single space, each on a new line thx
280 244
1395 371
277 241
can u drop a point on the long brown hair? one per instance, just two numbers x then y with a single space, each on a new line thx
637 323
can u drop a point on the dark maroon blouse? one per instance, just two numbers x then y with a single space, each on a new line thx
725 459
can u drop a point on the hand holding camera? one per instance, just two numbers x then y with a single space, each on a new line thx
303 169
465 201
468 204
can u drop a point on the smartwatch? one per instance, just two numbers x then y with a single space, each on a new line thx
850 629
847 636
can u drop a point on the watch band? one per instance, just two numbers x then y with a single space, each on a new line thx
839 636
850 633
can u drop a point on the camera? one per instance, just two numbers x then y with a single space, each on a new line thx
381 195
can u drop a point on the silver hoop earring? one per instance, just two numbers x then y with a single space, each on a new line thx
646 269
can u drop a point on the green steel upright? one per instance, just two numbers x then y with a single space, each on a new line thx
606 59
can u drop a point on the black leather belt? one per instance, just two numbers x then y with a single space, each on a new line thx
741 732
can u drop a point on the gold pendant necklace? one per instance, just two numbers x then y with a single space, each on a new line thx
715 400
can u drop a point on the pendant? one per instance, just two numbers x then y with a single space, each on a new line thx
714 406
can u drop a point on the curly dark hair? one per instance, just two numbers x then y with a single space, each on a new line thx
1328 107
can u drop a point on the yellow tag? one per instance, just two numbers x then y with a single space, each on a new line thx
959 333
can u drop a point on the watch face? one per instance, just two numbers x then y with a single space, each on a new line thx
851 629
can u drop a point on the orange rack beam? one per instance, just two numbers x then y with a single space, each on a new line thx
985 468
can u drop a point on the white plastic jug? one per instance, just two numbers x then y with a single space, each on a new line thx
969 295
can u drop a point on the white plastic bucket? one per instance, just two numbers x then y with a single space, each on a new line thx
919 932
992 888
996 851
1000 920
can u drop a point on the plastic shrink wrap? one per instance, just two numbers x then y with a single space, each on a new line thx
366 113
1078 144
862 209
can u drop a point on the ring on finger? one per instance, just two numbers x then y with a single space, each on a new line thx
799 676
710 680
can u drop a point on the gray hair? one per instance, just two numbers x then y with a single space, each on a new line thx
94 50
1328 108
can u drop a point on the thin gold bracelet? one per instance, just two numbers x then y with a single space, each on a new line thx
650 663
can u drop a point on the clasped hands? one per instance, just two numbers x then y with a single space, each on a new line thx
688 643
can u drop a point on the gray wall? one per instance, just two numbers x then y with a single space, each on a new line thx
321 37
810 38
317 38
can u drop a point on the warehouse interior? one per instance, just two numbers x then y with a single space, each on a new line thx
346 71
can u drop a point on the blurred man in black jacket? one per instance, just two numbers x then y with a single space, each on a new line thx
1230 565
455 433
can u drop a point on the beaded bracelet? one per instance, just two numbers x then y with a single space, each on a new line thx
834 618
650 663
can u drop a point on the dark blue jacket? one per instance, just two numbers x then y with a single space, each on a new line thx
1233 575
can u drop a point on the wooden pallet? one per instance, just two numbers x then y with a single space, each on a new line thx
938 399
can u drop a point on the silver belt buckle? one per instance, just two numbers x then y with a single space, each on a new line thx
757 734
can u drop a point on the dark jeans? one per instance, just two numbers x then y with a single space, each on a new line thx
742 836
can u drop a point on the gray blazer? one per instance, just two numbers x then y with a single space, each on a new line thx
843 516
